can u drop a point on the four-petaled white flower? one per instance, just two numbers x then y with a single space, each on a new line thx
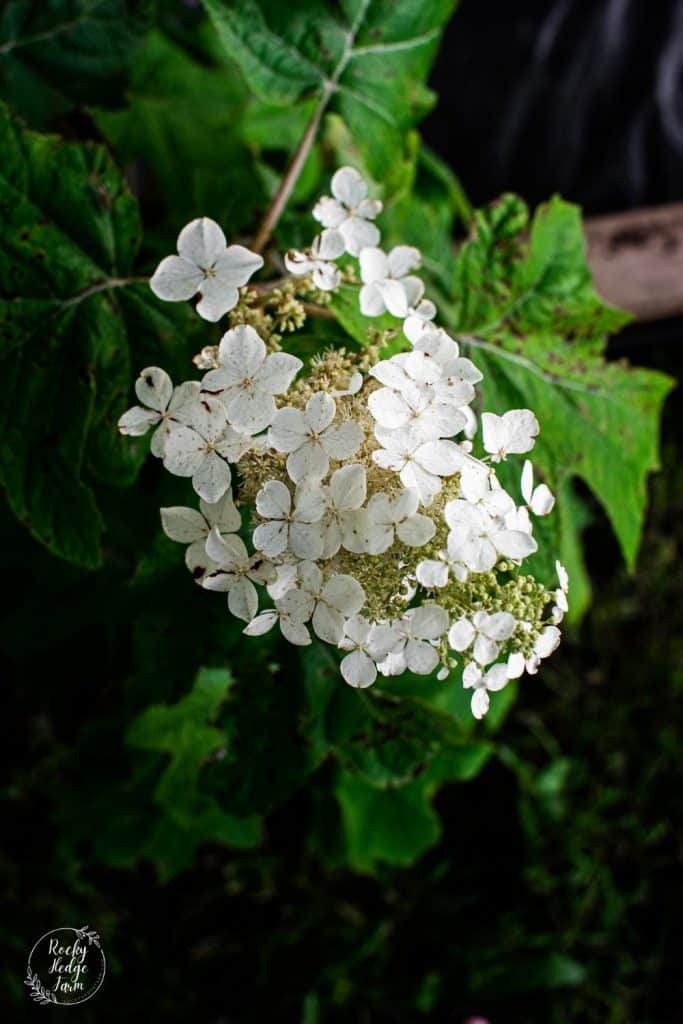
318 261
204 449
205 264
310 439
512 433
328 604
161 404
388 516
236 572
296 529
387 282
478 539
367 644
419 463
418 631
482 684
343 497
540 500
192 527
485 631
248 378
349 210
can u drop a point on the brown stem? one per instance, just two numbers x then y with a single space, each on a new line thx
279 200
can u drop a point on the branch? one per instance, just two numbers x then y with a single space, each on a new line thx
281 197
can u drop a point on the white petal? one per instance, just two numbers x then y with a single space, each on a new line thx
236 266
277 373
394 297
201 241
371 301
348 487
514 543
373 267
250 410
261 624
184 451
358 669
299 263
329 212
232 445
326 276
480 702
215 299
306 540
274 501
348 187
432 573
344 593
183 401
343 441
320 410
527 485
295 632
461 635
241 353
547 642
402 259
288 430
416 530
243 600
496 678
356 632
421 657
311 504
485 650
440 457
388 408
358 234
222 514
175 279
209 418
271 538
369 208
309 462
428 622
542 500
515 665
183 525
212 479
329 245
137 421
499 626
154 388
328 623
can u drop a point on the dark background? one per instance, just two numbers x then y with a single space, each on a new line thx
571 840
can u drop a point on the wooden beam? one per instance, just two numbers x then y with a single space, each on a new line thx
637 260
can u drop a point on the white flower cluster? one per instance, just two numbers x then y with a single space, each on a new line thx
366 517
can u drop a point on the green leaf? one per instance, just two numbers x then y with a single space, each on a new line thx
368 58
71 232
61 52
393 826
183 731
539 334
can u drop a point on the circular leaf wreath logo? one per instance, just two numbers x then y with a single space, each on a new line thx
65 967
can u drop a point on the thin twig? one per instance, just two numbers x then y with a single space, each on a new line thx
313 309
281 197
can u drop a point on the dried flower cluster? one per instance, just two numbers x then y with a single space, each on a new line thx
368 520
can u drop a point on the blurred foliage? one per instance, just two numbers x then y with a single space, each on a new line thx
318 846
